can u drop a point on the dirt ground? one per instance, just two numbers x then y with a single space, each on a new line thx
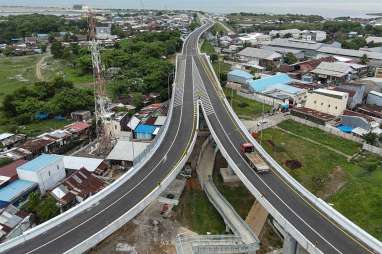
337 179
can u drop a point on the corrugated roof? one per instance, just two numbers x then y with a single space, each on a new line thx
241 74
335 69
76 163
260 85
40 162
145 128
5 135
297 44
259 53
10 169
350 52
16 188
123 150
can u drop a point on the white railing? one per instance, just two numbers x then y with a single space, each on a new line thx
93 200
333 214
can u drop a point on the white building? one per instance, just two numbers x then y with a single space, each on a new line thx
374 98
47 171
327 101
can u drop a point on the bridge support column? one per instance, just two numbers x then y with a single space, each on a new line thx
290 245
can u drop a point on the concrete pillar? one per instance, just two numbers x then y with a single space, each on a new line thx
289 245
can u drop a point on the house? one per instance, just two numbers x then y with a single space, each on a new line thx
8 173
46 170
309 65
278 87
160 121
239 76
259 57
17 153
333 72
133 123
308 47
299 54
374 39
327 101
125 152
356 93
374 57
8 140
81 115
93 165
77 187
294 33
78 129
144 132
13 222
16 192
38 146
318 36
374 98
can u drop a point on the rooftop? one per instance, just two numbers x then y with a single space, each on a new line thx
327 92
40 162
10 169
76 163
241 73
376 93
16 188
145 128
126 150
259 53
5 135
260 85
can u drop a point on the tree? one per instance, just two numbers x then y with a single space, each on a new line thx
214 57
288 35
47 209
370 138
57 49
364 59
290 58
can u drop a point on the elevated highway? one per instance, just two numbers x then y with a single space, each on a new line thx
310 225
84 228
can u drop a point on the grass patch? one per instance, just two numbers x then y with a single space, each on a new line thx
207 48
58 68
237 195
363 176
346 146
37 128
197 213
245 108
15 72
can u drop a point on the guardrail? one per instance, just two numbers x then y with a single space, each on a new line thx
115 225
91 201
333 214
300 238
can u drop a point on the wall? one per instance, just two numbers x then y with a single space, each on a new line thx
372 149
326 104
373 99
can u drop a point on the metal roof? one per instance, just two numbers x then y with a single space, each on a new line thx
259 53
296 44
5 135
127 150
145 128
16 188
241 74
76 163
350 52
260 85
40 162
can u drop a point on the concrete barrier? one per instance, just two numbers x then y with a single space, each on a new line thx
329 211
372 149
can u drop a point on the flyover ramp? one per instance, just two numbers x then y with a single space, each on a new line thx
83 226
312 228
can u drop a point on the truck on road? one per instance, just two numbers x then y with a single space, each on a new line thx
253 158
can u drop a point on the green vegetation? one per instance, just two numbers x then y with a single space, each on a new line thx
5 161
343 145
197 213
16 72
37 127
245 108
44 208
207 48
220 67
237 195
329 175
62 68
290 58
26 25
58 97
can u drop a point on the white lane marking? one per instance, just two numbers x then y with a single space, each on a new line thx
112 204
229 139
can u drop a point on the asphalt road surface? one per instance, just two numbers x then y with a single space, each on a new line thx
176 142
320 230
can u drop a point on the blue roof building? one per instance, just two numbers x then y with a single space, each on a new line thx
239 76
40 162
144 131
16 192
261 85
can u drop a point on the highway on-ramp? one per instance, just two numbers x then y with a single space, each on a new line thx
181 131
321 231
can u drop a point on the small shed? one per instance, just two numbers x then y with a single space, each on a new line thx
144 132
